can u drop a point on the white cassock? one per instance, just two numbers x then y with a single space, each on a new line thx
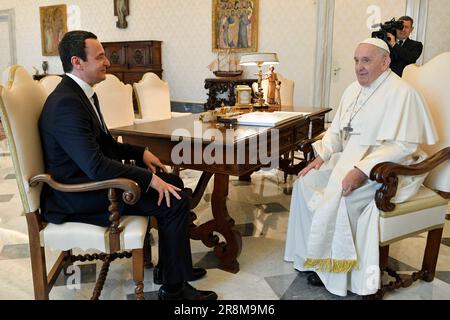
337 236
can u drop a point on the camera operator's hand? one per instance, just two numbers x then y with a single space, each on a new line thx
392 40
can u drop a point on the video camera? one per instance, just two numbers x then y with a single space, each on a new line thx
388 27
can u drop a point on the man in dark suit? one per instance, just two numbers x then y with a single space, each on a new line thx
79 148
404 51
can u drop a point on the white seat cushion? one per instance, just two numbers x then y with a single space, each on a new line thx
86 236
425 211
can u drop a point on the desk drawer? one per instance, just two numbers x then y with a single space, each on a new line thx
301 132
318 125
286 140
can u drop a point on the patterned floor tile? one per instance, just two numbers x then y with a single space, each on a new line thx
205 260
399 266
273 207
6 197
246 229
78 274
446 242
443 275
281 283
15 251
300 289
152 295
239 183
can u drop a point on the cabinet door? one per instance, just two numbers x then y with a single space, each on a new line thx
144 55
116 53
139 56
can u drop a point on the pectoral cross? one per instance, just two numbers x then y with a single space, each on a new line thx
347 131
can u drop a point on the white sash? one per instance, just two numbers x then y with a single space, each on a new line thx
330 246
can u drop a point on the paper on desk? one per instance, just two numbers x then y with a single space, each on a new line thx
268 119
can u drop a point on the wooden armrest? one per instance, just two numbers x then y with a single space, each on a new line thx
387 173
306 145
131 194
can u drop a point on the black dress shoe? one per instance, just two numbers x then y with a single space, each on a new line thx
196 272
314 280
187 292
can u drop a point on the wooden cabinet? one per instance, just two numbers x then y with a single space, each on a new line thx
131 59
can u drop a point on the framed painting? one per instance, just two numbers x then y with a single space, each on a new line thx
53 27
235 25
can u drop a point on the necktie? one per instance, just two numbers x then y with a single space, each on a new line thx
400 43
97 107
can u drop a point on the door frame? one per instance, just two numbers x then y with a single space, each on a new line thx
417 9
8 16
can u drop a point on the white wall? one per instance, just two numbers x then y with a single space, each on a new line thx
286 27
437 38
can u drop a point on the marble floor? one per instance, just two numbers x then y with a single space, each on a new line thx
260 209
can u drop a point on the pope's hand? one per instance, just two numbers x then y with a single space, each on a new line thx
315 164
152 162
353 180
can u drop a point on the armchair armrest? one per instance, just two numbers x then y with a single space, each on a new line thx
306 145
131 194
387 173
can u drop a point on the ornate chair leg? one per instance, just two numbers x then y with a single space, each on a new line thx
101 278
41 291
138 272
431 254
148 247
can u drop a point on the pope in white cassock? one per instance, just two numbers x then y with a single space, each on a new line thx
333 222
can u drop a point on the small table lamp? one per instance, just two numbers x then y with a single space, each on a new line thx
259 59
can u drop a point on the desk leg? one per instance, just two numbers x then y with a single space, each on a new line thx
222 223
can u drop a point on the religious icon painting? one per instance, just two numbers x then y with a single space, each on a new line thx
235 25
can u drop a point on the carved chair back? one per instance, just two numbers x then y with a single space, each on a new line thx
116 101
432 81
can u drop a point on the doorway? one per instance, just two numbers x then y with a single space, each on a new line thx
8 55
352 23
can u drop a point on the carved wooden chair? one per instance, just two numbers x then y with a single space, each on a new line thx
424 212
21 102
49 83
153 98
116 101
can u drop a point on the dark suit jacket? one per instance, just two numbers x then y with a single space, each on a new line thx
77 150
406 54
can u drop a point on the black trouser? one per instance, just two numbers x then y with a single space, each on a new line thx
175 259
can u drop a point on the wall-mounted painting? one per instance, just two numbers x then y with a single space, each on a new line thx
235 25
53 28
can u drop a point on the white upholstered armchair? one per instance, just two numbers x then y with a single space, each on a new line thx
21 103
49 83
425 212
116 101
153 97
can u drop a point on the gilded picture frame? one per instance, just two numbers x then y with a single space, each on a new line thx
235 25
53 27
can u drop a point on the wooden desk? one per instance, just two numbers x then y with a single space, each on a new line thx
160 138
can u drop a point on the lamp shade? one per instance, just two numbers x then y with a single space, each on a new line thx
259 58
